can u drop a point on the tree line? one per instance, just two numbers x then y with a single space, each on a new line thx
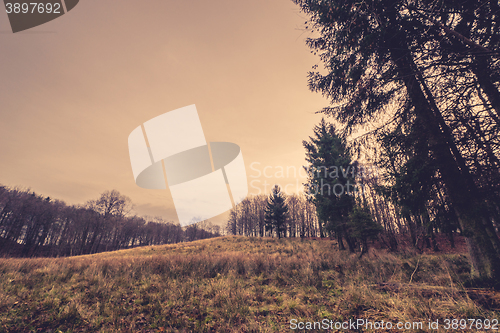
345 200
248 218
333 205
34 225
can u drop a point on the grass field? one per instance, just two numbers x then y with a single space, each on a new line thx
236 284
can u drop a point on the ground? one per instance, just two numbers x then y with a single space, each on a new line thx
239 284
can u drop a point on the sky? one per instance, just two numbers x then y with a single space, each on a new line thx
73 89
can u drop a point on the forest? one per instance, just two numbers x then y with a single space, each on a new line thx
34 225
413 90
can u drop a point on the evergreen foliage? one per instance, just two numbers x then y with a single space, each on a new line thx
362 227
331 180
276 212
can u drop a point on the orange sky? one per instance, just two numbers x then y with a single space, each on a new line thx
73 89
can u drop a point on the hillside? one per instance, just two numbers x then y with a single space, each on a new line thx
235 284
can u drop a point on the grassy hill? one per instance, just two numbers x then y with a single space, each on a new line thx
236 284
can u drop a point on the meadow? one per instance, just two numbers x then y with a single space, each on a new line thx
238 284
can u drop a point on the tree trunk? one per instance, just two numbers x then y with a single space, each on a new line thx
483 247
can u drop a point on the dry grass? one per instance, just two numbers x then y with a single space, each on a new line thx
230 284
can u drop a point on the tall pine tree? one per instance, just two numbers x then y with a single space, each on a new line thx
276 212
331 181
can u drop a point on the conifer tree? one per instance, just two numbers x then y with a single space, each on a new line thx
362 227
331 181
276 212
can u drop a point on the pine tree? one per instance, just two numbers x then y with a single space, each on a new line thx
362 227
331 181
276 212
